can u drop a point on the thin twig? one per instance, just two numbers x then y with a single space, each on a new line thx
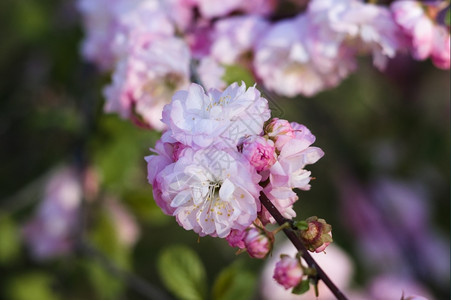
293 237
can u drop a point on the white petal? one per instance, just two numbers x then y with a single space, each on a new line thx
226 190
181 198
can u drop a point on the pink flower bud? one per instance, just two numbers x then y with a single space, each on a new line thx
258 243
288 271
318 235
260 152
280 131
236 238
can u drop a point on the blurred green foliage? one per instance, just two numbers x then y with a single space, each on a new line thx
235 283
238 73
9 240
183 273
28 286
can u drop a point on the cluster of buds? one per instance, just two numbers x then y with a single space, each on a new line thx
255 240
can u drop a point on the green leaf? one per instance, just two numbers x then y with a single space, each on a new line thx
9 240
238 73
31 19
34 285
302 287
182 272
301 225
234 283
448 17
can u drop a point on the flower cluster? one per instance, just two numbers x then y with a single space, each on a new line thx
149 44
220 150
54 228
425 37
51 232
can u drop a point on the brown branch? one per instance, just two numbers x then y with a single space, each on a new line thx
294 238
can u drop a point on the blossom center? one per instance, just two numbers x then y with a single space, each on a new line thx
164 87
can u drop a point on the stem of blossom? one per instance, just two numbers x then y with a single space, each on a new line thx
194 74
293 237
282 227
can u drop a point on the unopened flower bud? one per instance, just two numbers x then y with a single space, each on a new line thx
288 271
318 235
260 152
280 131
258 243
236 238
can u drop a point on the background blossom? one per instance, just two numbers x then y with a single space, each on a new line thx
145 80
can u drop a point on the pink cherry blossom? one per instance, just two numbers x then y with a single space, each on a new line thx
127 229
236 238
167 151
288 172
280 131
294 58
216 8
283 63
51 231
144 81
441 51
260 152
180 12
144 18
220 119
212 191
283 198
100 25
235 38
257 243
425 36
111 25
363 26
259 7
294 156
288 271
410 16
